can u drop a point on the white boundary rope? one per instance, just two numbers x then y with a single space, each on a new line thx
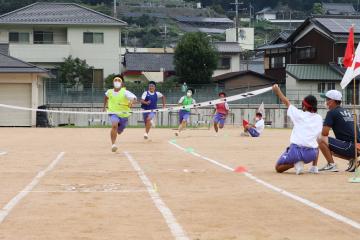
197 105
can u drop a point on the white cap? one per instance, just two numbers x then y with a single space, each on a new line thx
334 95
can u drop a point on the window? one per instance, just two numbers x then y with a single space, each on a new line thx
91 37
307 53
278 62
224 63
43 37
330 86
321 87
19 37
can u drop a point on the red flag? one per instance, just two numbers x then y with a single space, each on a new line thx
349 52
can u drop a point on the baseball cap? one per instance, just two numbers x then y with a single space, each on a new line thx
332 94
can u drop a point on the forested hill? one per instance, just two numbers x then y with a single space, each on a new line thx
300 5
226 6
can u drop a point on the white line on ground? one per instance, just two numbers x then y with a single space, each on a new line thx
4 212
321 209
3 153
176 229
92 191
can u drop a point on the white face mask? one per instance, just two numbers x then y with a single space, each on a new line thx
189 94
117 84
257 119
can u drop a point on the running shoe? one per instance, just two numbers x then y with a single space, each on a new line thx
114 148
330 167
352 165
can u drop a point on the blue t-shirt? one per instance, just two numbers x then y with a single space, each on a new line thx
342 123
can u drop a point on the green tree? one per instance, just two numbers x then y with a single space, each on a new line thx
195 58
317 8
75 71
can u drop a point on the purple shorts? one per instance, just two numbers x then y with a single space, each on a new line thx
220 118
148 115
253 132
295 153
184 115
121 122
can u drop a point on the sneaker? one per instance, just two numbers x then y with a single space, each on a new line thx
146 136
352 165
245 134
330 167
114 148
299 167
314 170
177 133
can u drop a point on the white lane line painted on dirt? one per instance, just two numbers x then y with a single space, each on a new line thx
4 212
176 229
102 191
321 209
3 153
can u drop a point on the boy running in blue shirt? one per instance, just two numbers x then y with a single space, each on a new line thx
149 102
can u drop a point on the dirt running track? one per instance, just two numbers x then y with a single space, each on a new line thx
91 193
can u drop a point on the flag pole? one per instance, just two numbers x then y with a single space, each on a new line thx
355 123
355 178
355 117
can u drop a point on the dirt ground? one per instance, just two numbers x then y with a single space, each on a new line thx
93 193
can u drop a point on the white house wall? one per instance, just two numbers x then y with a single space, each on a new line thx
297 90
154 76
234 66
101 56
104 56
36 88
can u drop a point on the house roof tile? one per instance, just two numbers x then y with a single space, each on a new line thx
58 14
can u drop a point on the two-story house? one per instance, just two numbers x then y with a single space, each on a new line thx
144 65
310 59
45 34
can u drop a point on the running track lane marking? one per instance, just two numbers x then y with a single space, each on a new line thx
15 200
3 153
176 229
321 209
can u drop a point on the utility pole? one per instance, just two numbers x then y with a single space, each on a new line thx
115 15
250 15
237 18
165 36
